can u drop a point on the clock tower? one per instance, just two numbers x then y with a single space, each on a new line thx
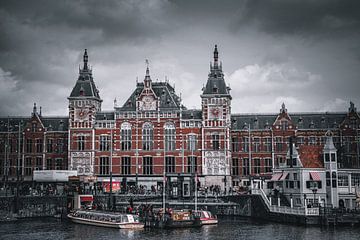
84 103
216 111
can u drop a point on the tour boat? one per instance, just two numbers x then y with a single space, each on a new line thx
206 217
181 219
106 219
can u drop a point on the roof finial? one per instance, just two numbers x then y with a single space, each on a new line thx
352 107
40 112
283 109
147 68
216 55
34 109
86 58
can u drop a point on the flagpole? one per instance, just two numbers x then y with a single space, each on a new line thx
196 180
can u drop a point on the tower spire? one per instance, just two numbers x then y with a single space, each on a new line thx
216 56
147 80
85 58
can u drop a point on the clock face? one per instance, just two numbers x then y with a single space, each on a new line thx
81 114
148 103
215 112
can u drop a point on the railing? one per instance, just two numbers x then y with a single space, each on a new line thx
285 209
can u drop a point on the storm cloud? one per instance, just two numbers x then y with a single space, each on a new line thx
304 53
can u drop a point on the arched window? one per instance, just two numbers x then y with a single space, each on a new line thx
169 136
147 136
125 136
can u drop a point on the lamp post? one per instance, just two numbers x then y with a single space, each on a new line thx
314 190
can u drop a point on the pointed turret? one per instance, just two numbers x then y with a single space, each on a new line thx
216 83
147 79
85 85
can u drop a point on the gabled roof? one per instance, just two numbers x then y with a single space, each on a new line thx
60 123
311 156
192 114
105 115
163 91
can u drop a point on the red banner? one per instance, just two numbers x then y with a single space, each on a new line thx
115 186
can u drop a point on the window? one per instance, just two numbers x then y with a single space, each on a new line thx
81 143
59 164
49 165
125 136
343 180
49 145
312 140
300 140
279 160
170 164
191 142
39 145
284 125
257 165
28 145
126 165
327 157
268 165
334 182
147 136
245 167
355 179
328 183
246 144
235 144
104 165
169 137
39 164
28 166
278 144
215 141
60 145
267 144
333 157
235 166
148 165
33 127
105 143
256 144
192 164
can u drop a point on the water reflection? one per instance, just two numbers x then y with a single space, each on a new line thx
226 229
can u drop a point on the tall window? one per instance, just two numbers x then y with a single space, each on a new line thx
268 165
191 142
278 144
81 143
147 136
170 164
192 164
267 144
28 145
28 166
49 165
38 163
257 165
169 137
104 165
126 165
245 167
105 143
235 144
256 144
312 140
59 164
148 165
125 136
215 141
39 145
235 166
60 145
49 145
246 144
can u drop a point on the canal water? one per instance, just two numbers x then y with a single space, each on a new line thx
228 228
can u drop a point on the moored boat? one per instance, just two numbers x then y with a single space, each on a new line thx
206 217
106 219
182 219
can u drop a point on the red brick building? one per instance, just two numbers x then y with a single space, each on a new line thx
152 134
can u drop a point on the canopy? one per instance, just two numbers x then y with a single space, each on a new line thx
315 176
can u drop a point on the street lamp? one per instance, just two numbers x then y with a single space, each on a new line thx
314 190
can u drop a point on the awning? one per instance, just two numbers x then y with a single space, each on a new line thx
284 176
276 177
315 176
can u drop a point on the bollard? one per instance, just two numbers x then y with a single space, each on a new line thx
278 202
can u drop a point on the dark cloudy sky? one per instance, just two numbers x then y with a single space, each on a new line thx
305 53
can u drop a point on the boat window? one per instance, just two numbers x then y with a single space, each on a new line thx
125 218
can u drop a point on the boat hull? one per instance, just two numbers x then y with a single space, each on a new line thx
209 221
106 224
